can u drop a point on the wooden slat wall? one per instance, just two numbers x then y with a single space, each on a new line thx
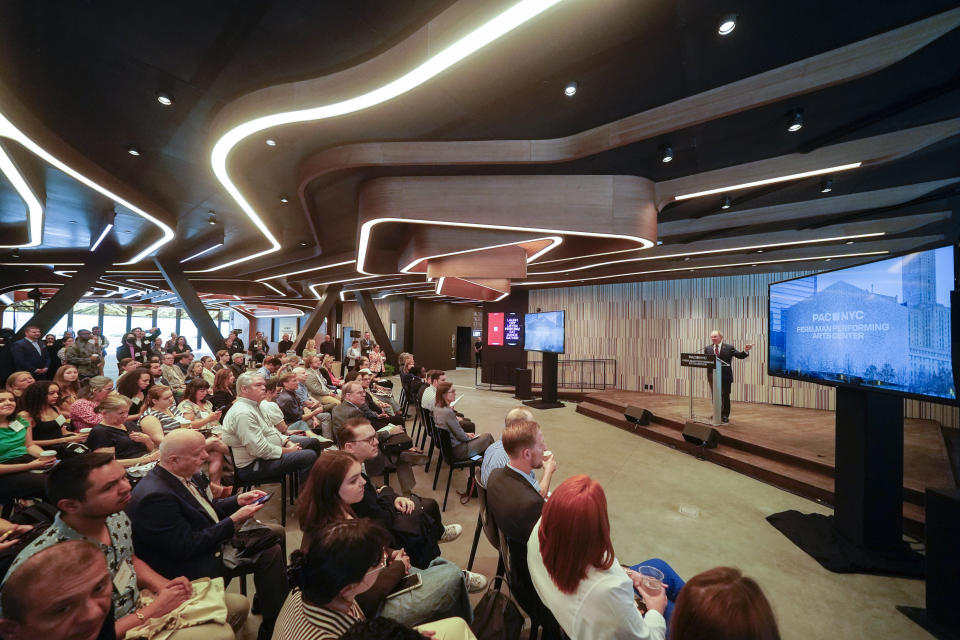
353 316
646 325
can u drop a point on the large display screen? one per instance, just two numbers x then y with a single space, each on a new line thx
543 332
494 329
884 325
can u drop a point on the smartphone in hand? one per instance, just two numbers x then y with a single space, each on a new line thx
262 499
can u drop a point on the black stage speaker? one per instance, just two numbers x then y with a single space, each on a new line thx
637 415
700 434
943 557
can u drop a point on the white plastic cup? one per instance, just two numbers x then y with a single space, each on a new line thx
48 454
651 578
86 430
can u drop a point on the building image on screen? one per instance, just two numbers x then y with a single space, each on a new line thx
543 332
884 325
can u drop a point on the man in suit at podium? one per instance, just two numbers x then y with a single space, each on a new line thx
725 352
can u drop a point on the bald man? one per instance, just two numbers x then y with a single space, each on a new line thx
180 529
61 593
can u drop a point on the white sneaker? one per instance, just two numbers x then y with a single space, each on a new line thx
451 532
475 581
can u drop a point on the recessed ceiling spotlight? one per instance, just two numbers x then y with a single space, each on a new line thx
795 120
571 89
826 185
164 98
304 243
848 242
828 259
15 253
666 153
212 218
759 250
270 142
727 25
725 203
687 259
284 199
659 242
133 151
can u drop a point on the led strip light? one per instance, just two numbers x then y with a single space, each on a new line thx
752 263
472 42
8 130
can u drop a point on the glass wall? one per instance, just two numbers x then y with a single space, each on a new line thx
167 322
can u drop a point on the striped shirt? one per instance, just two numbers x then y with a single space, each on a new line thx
299 620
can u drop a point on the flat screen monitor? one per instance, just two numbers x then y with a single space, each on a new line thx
494 329
544 332
512 329
885 325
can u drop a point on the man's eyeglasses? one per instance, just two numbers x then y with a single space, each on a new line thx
371 440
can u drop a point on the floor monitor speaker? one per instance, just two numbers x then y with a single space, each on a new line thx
637 415
702 435
943 556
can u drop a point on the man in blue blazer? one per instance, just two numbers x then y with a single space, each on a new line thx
179 529
726 352
29 355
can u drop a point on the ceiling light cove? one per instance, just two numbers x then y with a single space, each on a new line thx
490 31
758 183
35 209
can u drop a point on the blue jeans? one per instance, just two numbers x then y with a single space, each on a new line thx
443 594
670 578
299 461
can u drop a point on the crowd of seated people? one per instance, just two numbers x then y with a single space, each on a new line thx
137 468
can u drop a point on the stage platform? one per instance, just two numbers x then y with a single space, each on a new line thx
788 447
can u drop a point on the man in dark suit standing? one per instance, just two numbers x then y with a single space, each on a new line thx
725 352
182 529
29 355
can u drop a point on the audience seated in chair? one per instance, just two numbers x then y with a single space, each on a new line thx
19 456
260 452
415 523
465 444
335 483
179 528
495 457
91 491
723 604
302 435
317 384
577 576
343 560
394 442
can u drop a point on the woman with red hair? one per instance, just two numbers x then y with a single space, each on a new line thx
575 572
723 604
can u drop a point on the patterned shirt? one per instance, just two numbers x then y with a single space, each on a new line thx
299 620
119 556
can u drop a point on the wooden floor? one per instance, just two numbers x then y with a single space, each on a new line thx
790 447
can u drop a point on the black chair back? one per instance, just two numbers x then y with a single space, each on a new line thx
486 518
521 587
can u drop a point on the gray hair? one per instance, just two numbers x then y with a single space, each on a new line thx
246 379
93 385
518 414
299 370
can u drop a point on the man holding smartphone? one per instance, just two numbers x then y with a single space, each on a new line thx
180 529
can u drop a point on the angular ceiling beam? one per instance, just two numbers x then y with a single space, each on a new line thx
179 283
380 335
309 328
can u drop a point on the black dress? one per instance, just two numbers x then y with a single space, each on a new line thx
103 436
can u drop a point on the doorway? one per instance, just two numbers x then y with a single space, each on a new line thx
464 347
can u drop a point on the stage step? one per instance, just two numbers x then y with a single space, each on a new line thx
791 470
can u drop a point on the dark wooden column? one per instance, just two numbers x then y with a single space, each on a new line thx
309 328
173 273
380 334
74 288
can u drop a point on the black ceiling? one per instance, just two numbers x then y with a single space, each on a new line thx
90 71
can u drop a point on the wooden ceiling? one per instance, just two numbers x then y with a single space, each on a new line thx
487 153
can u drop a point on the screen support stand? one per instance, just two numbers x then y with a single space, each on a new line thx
548 385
